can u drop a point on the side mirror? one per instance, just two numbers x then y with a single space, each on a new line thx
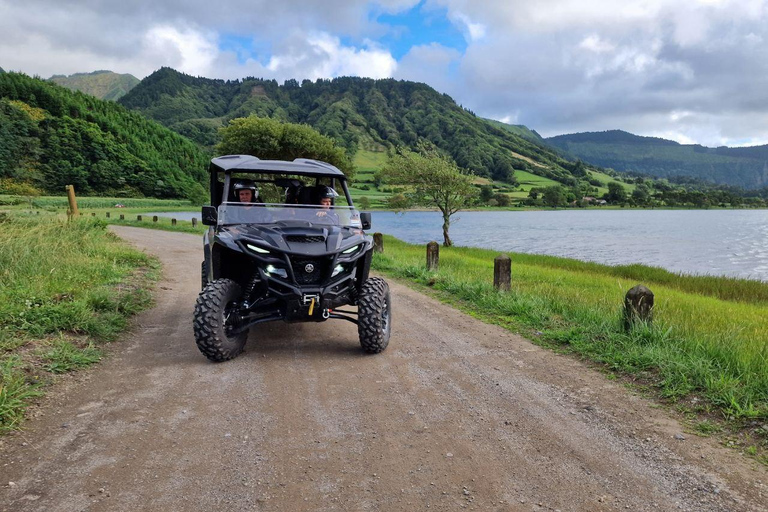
210 216
365 219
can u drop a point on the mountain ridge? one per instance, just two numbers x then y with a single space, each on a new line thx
103 84
745 167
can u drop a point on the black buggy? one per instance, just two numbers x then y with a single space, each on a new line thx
280 255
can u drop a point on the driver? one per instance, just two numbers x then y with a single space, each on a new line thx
246 191
325 199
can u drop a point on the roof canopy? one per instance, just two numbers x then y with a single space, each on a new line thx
248 163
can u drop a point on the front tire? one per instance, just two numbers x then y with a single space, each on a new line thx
213 320
374 315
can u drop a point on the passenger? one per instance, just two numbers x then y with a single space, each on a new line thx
246 191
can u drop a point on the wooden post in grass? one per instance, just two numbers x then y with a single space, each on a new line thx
107 214
154 218
194 222
502 272
93 214
122 216
173 222
378 242
638 306
72 199
138 218
433 255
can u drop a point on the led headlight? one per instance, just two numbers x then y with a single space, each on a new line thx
275 271
351 250
257 249
337 270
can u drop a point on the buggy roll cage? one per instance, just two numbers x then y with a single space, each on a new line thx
251 164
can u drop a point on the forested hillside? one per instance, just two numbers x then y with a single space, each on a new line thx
358 112
105 85
622 151
51 137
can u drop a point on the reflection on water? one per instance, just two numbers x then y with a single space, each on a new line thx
718 242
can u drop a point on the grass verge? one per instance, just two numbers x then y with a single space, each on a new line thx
67 289
706 352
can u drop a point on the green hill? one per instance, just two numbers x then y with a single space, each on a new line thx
625 152
51 137
520 130
358 112
105 85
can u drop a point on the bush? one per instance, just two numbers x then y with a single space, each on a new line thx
17 188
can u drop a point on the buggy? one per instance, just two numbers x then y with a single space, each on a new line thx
281 256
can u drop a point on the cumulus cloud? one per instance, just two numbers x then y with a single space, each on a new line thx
321 55
556 65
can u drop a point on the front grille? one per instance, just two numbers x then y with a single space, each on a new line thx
305 239
319 270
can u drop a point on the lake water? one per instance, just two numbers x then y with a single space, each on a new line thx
718 242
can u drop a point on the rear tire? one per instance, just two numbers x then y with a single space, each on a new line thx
374 315
211 321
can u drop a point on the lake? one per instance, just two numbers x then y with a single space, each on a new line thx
717 242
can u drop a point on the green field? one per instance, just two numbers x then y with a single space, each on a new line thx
708 340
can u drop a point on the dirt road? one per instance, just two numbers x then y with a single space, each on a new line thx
455 414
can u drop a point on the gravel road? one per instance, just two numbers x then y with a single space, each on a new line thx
455 414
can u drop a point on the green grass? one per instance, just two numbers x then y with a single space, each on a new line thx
67 287
708 338
52 203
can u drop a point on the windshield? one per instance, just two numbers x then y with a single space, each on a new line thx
243 213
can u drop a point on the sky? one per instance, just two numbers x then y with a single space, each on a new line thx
694 71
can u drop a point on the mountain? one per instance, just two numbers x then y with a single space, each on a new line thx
625 152
519 129
357 112
105 85
51 137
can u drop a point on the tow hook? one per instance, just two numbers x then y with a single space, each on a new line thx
326 313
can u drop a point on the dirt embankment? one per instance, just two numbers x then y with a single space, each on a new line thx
455 414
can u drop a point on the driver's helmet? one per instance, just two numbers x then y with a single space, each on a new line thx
326 192
246 185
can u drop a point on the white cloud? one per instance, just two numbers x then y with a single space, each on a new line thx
473 31
321 55
186 50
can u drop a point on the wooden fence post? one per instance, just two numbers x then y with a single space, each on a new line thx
138 217
107 214
433 255
378 242
93 214
638 306
173 222
194 222
72 199
502 272
154 218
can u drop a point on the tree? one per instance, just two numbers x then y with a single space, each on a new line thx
616 193
434 180
553 196
486 193
270 139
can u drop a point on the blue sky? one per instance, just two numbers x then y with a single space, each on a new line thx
694 71
419 26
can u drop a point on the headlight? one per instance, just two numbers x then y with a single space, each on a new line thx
337 270
275 271
257 249
351 250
